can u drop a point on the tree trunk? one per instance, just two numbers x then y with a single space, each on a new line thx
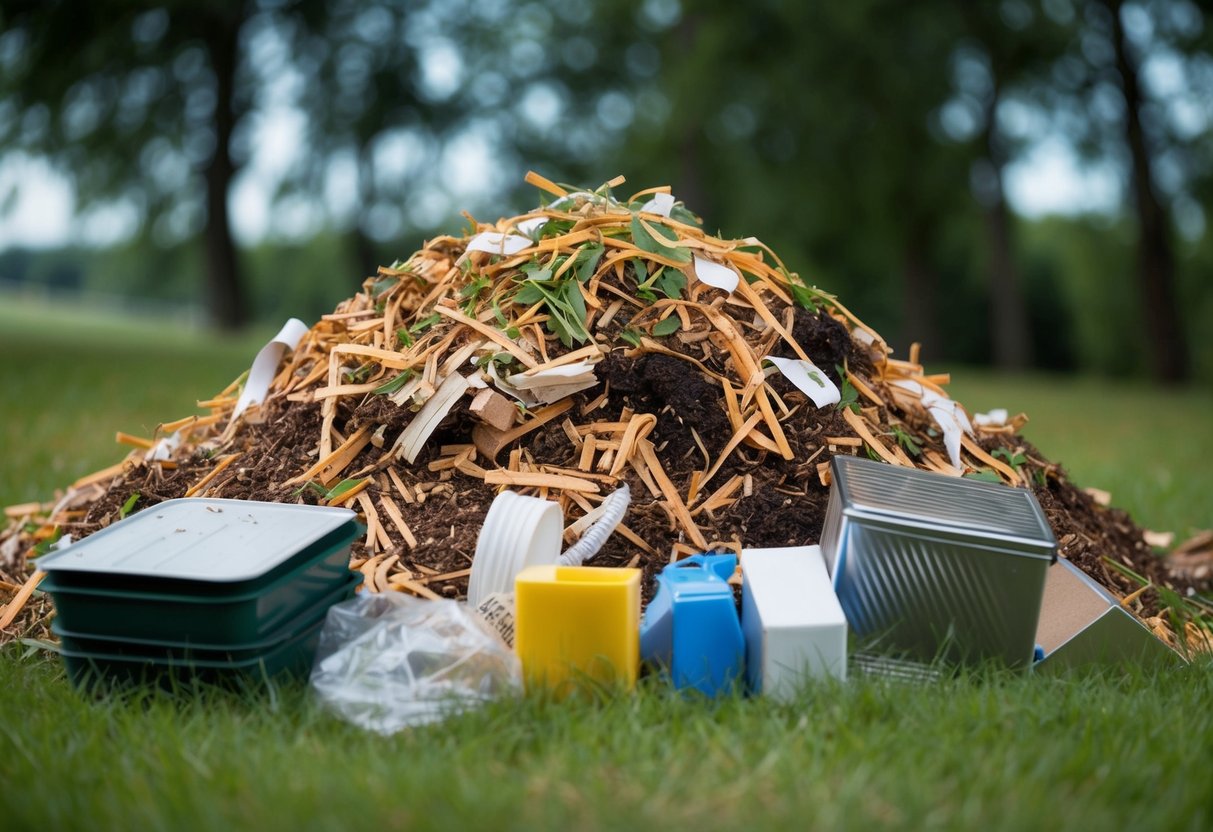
918 287
224 287
1155 254
364 247
688 183
1010 340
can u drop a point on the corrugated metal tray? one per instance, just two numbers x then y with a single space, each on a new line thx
929 566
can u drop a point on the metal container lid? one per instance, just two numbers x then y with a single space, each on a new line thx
908 496
200 539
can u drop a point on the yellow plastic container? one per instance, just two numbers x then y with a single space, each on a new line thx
577 624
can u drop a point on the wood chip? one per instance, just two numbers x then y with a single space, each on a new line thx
14 607
536 479
671 494
857 424
330 467
224 462
493 409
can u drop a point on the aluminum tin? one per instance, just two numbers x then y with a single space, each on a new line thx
928 566
1082 623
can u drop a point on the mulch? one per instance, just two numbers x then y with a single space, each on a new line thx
760 495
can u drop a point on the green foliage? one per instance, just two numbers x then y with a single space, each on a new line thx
391 386
653 245
905 440
1014 459
667 326
848 395
128 505
561 298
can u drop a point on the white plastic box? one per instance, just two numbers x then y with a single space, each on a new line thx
793 624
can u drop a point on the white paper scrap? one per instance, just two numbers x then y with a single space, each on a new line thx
948 415
994 418
531 227
164 448
715 274
265 365
660 204
808 379
494 242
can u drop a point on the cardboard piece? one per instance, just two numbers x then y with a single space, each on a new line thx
1082 623
793 624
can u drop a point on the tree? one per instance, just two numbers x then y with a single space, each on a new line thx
1126 118
138 102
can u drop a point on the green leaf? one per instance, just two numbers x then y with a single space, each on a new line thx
647 242
425 323
395 384
528 295
984 475
631 336
849 395
587 261
498 315
667 326
342 487
382 285
670 282
802 296
128 505
45 546
402 335
1013 459
909 443
556 228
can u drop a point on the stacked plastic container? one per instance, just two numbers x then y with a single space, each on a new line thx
201 588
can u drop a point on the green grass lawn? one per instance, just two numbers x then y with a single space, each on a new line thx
987 750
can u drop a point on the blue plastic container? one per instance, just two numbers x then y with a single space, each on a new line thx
691 627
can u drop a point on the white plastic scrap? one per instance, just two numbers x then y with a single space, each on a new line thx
494 242
613 508
715 275
545 385
265 365
808 379
413 437
163 448
949 415
995 418
531 227
660 204
389 661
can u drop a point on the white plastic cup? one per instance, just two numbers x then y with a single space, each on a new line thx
518 532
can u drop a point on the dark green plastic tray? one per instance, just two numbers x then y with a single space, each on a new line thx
193 616
78 643
292 657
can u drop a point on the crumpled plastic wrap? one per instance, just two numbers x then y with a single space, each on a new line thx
388 661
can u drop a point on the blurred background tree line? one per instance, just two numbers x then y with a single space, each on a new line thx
868 142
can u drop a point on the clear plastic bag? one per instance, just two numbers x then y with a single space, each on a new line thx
388 661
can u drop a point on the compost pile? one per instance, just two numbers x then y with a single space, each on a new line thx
588 343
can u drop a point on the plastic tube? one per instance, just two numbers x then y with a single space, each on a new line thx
613 509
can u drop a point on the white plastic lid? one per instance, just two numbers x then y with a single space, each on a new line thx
201 539
518 532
